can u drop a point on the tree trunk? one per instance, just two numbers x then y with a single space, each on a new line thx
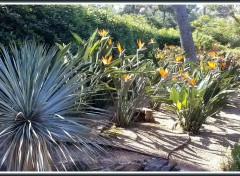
204 10
185 32
164 17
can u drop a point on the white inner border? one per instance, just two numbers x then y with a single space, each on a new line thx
125 3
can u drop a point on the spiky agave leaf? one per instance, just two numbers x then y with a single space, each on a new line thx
38 91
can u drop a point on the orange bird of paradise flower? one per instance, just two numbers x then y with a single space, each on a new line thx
211 64
214 47
126 77
180 71
186 75
192 81
179 58
102 32
119 47
106 60
151 41
223 64
110 42
163 73
140 44
159 56
212 54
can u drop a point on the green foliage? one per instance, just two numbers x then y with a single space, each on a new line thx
40 94
235 155
93 51
53 23
193 104
224 31
130 94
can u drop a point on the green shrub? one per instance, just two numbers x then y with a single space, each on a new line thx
224 31
53 23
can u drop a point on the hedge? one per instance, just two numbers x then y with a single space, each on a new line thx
53 23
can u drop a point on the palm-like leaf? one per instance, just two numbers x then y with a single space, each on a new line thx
38 92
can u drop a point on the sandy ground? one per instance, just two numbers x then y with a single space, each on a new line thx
205 152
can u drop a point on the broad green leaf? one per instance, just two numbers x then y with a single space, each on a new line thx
182 94
156 78
107 87
79 40
89 45
94 46
115 62
174 95
194 92
59 46
179 105
63 51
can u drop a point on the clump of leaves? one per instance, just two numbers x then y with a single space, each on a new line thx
38 92
195 102
130 95
235 155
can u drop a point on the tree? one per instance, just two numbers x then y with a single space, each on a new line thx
223 11
185 32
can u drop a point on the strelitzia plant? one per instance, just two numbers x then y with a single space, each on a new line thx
97 52
195 100
130 96
39 90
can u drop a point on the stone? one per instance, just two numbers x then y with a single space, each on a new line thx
144 164
166 168
175 169
132 166
80 166
156 164
143 115
3 168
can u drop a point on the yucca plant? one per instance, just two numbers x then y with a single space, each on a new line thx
39 91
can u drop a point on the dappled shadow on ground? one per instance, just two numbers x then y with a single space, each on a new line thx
203 153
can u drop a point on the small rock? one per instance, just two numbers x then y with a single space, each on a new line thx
80 166
144 164
182 170
166 168
3 168
156 164
132 166
119 168
175 169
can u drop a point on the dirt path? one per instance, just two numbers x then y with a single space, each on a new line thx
204 153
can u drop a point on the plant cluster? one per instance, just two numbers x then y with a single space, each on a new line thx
195 90
44 90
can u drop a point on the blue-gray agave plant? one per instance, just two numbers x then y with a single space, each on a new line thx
39 91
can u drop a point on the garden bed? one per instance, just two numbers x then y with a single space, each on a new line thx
151 141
